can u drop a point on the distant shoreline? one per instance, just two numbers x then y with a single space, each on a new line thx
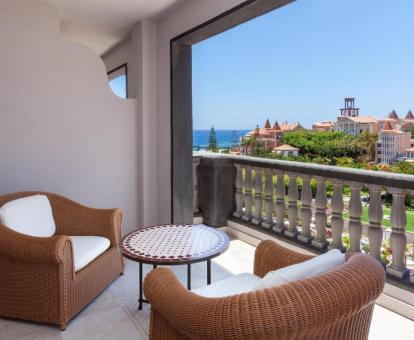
224 137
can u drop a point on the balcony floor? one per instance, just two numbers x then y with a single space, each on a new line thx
114 315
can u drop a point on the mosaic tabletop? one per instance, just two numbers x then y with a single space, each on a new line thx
174 244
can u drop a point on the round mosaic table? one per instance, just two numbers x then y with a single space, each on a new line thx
173 244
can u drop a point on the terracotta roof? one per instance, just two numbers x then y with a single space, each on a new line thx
289 127
267 124
259 133
409 115
286 147
388 127
363 119
324 124
393 114
276 126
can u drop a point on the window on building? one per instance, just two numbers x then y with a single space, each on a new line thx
118 80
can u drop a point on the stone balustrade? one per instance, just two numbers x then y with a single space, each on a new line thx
267 195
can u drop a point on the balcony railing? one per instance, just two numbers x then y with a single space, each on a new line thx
265 193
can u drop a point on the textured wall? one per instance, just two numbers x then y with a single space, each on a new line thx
61 127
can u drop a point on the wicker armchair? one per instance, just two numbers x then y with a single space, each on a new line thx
336 305
37 277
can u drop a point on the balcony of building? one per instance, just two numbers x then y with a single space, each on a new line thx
63 131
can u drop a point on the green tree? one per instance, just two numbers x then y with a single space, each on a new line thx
368 141
212 140
328 144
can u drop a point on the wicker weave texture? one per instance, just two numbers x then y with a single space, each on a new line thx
336 305
37 278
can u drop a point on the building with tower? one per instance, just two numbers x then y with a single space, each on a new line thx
352 123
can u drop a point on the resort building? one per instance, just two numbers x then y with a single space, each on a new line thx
267 136
325 125
286 150
393 145
404 124
354 125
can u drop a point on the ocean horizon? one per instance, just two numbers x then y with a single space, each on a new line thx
224 137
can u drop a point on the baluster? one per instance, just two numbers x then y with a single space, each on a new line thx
320 215
196 162
355 211
280 203
337 221
306 210
239 191
268 204
375 221
258 199
398 239
248 199
292 230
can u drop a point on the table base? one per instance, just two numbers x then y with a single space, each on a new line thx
141 299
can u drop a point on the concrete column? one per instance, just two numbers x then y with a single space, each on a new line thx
238 191
142 84
196 163
258 199
306 210
321 216
216 190
375 221
355 211
248 199
292 230
280 203
337 221
398 239
268 204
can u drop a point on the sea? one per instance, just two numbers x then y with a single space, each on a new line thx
224 138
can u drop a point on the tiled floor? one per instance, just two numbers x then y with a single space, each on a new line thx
114 315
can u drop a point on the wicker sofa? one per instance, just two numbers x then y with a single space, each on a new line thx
336 305
38 281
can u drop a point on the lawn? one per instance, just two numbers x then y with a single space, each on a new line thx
386 218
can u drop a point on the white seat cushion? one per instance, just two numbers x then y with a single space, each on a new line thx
316 266
87 248
30 215
237 284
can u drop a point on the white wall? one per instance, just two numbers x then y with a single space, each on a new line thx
61 128
147 52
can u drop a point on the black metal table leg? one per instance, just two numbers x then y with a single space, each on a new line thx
189 276
141 299
209 271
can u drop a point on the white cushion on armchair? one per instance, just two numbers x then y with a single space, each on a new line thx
30 215
87 248
244 283
237 284
316 266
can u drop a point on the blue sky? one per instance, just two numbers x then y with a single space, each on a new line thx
299 62
118 86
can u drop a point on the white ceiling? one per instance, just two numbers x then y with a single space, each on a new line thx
101 24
